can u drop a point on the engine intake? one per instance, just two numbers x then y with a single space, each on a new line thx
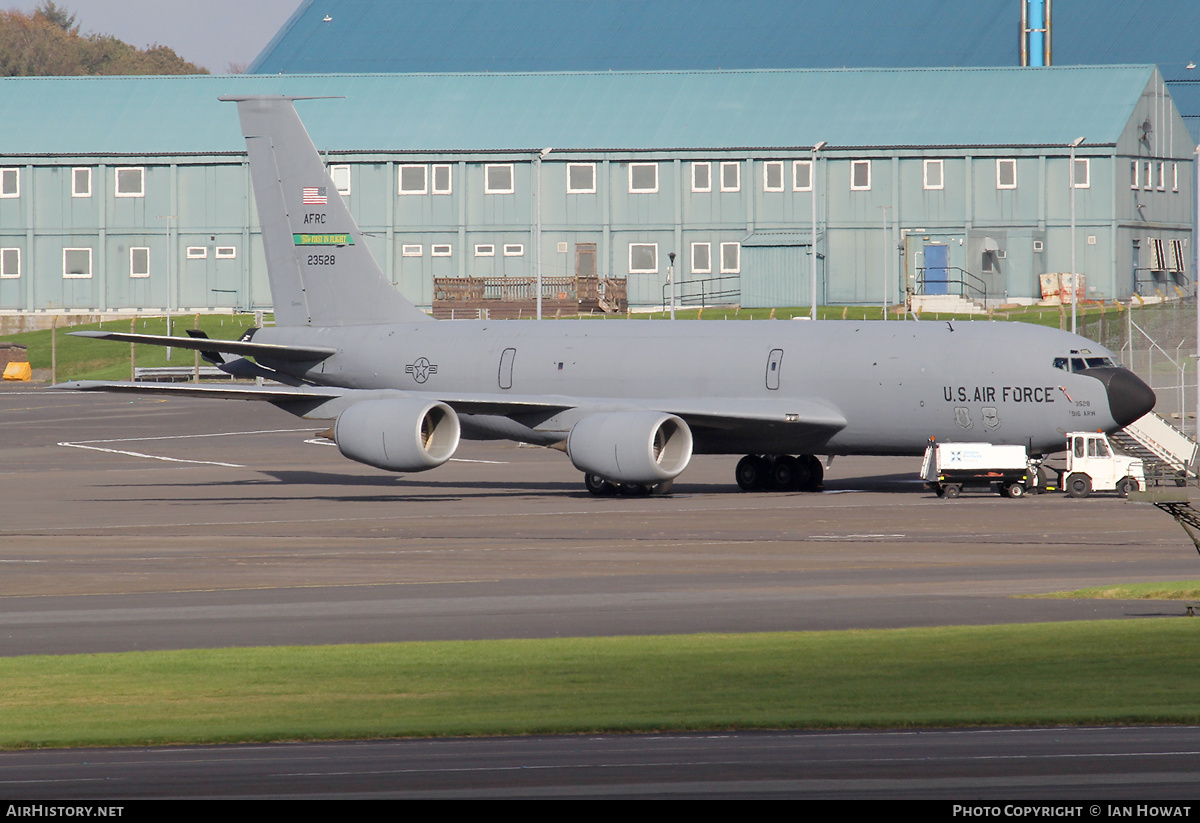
631 446
401 435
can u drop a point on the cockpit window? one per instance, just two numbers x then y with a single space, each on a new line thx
1078 364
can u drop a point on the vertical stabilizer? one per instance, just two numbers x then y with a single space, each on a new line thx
320 269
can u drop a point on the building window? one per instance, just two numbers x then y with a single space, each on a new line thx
1178 262
701 258
1175 177
1159 261
131 182
441 179
860 175
139 262
731 258
77 263
514 250
439 250
413 180
81 182
10 182
773 175
226 252
643 258
412 250
1162 176
643 178
10 263
197 252
1133 174
802 175
1083 173
934 178
1006 173
701 176
498 179
340 175
1149 176
485 250
581 178
731 176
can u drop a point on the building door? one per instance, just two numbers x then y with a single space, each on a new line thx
585 259
937 256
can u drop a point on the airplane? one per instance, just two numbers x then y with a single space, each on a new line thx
629 402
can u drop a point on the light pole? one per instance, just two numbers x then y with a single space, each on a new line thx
671 281
1074 276
170 278
813 181
886 266
537 231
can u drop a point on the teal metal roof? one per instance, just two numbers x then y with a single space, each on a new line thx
601 110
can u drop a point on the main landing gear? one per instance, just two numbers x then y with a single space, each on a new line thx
600 487
780 473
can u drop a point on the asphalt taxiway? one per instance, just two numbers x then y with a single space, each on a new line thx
133 523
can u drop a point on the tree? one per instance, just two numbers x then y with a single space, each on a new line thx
63 17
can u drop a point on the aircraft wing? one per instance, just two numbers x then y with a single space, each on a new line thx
244 349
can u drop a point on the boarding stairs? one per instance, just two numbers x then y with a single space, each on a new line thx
1167 453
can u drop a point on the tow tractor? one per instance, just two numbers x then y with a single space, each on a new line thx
1093 466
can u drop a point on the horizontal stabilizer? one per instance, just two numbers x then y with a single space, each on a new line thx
257 350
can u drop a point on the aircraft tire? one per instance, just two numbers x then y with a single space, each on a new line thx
816 472
1126 485
660 489
751 473
785 472
1078 485
597 485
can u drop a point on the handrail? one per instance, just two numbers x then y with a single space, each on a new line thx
703 298
966 282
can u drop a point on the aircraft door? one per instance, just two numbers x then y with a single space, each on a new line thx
506 368
937 257
774 363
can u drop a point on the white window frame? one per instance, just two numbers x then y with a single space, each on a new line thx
485 250
1149 182
77 275
487 179
796 166
448 168
1162 176
514 249
441 250
707 166
1135 166
652 190
1175 177
133 272
197 252
737 258
707 268
341 170
412 250
591 167
854 166
1001 162
1087 173
767 166
410 167
13 173
225 252
87 176
654 249
737 175
929 165
141 174
6 274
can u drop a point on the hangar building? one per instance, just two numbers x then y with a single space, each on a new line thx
132 194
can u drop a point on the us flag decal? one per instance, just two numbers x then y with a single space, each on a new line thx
315 196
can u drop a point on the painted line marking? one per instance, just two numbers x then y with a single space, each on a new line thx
87 444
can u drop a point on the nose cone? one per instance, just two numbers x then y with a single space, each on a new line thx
1128 397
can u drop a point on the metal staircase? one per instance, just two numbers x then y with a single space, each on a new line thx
1160 445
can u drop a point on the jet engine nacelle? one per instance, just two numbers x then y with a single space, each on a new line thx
401 435
631 446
